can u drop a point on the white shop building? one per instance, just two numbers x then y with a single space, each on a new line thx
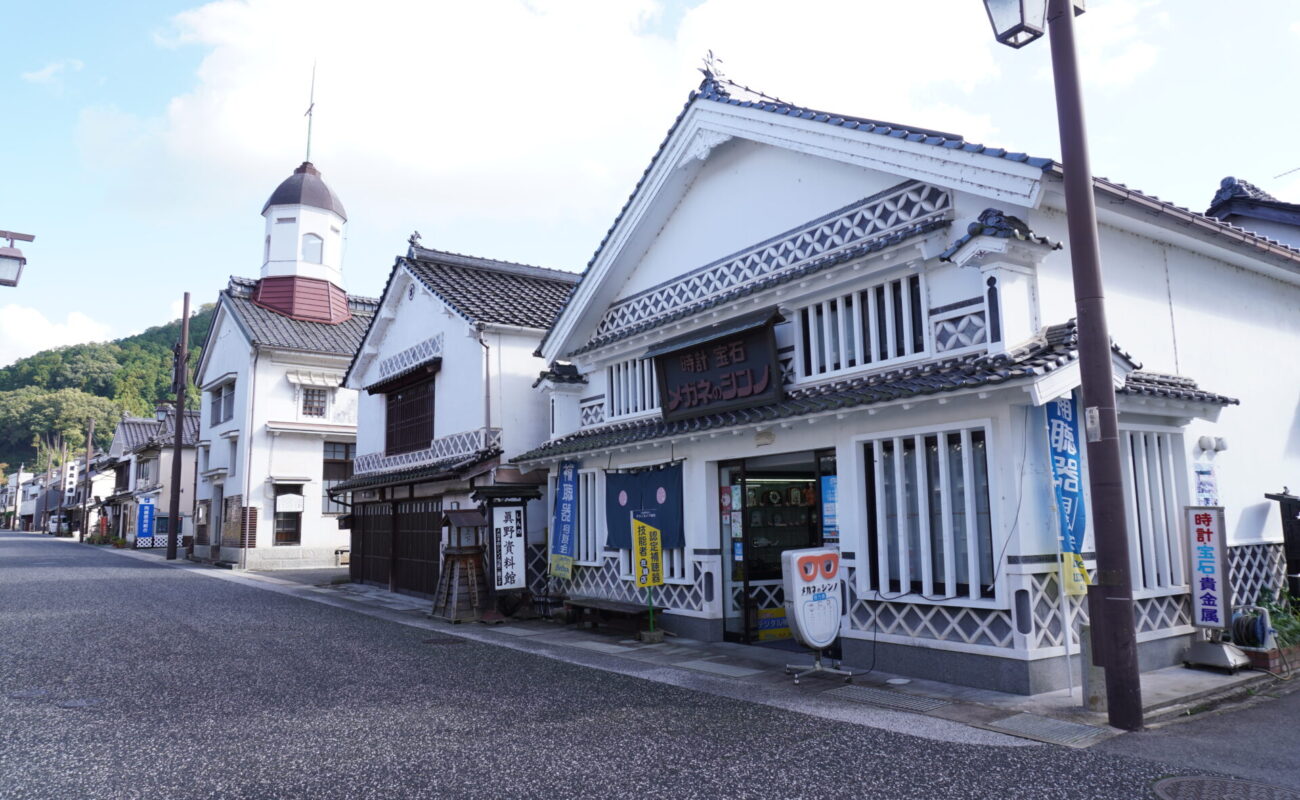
277 428
845 332
445 375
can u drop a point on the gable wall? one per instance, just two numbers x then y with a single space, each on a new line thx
745 193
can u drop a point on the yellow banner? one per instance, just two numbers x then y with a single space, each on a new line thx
1074 576
647 554
561 566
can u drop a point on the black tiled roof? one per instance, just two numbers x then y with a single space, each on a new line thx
773 279
1054 348
271 329
448 469
136 431
494 292
998 224
165 430
1173 387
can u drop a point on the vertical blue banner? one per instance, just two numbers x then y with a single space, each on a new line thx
564 525
1065 452
144 525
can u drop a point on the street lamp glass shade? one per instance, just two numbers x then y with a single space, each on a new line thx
1016 23
11 265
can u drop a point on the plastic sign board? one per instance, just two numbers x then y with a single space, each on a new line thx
1066 455
289 504
564 526
1208 567
647 550
144 524
508 547
814 597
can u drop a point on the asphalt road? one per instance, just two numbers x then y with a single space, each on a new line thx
194 687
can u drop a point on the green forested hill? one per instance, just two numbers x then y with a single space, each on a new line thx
53 393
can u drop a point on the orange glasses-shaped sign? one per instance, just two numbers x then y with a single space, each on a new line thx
824 565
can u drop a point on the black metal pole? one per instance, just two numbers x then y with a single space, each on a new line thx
178 437
1115 620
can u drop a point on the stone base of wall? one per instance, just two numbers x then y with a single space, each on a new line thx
704 630
268 558
1009 675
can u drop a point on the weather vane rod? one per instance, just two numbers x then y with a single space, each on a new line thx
311 105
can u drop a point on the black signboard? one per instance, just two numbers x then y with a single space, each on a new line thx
735 369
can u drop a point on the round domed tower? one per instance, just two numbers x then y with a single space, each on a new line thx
304 228
302 258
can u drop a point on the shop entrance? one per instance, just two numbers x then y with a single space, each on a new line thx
769 505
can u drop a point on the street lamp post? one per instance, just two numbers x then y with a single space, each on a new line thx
11 258
1016 23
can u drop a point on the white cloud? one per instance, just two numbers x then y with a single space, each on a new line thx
51 74
24 331
542 111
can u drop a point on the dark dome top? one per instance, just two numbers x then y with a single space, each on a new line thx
305 187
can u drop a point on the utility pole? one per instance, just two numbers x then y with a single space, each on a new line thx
63 484
1110 599
178 440
85 496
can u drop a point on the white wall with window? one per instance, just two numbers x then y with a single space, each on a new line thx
929 522
880 325
631 388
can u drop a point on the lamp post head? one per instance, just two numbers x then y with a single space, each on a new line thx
11 265
1016 23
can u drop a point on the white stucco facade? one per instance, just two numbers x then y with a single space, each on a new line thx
745 210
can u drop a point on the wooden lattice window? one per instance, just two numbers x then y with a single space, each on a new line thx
313 401
409 420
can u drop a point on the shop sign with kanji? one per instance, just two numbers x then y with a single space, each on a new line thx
1207 563
508 556
732 371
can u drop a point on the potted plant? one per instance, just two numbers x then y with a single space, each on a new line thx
119 542
1284 621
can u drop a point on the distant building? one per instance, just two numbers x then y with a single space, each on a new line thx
277 429
140 461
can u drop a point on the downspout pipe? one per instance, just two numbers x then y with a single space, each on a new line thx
487 380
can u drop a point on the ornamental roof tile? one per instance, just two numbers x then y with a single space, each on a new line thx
490 291
271 329
998 224
1055 347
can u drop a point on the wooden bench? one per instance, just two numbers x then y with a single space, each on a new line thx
597 610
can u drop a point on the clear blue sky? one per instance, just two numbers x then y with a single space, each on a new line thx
142 138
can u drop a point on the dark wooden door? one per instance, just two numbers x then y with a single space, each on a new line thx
419 534
376 521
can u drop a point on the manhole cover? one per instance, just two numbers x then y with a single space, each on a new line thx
1046 729
28 694
1193 788
445 640
888 699
85 702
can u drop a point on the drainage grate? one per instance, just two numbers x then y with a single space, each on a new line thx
1193 788
28 694
86 702
888 699
1046 729
729 670
444 640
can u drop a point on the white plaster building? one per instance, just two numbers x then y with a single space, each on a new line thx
895 292
140 458
445 375
277 429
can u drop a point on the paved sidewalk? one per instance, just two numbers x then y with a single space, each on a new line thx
758 673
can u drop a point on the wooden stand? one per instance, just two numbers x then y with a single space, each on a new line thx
462 588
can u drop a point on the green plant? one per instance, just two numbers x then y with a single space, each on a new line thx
118 542
1283 615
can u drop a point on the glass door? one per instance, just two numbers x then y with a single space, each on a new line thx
767 505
